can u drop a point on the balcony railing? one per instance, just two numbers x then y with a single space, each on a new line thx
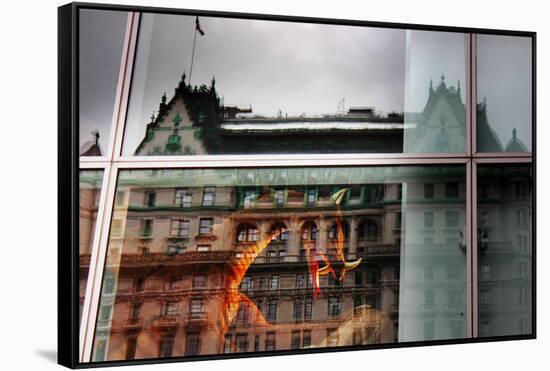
133 323
196 317
166 321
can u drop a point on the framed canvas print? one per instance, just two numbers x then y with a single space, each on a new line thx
237 185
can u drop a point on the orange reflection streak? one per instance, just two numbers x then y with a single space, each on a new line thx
241 261
337 198
236 270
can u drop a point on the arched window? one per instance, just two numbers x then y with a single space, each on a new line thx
247 233
333 231
368 228
279 232
309 231
372 229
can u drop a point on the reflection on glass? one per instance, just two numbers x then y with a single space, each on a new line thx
281 259
505 250
101 35
90 189
231 86
504 93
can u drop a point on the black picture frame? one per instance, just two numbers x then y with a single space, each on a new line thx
68 173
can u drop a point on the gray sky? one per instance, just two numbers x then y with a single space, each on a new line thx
101 38
295 67
504 78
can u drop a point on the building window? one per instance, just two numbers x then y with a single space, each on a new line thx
173 284
199 281
334 306
311 197
209 196
205 226
358 278
306 338
139 284
203 248
270 341
179 228
279 198
428 273
485 298
183 198
249 198
428 190
453 272
372 229
135 312
333 231
485 328
428 219
241 342
257 343
119 198
274 283
195 309
484 219
308 309
298 309
272 310
166 346
131 346
278 232
451 190
523 296
170 309
243 314
428 330
300 281
485 272
173 249
309 231
227 347
429 300
247 233
247 283
192 344
296 339
452 219
146 227
332 337
150 198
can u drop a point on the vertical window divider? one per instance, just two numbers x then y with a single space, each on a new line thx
472 89
473 243
106 204
97 267
127 66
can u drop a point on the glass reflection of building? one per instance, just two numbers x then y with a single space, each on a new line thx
173 249
504 250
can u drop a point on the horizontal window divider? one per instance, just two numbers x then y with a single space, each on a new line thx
93 159
504 160
94 164
503 154
290 161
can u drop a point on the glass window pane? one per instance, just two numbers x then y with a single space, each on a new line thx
344 260
90 191
504 93
505 250
101 37
263 87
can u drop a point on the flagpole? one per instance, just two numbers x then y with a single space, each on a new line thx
192 56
